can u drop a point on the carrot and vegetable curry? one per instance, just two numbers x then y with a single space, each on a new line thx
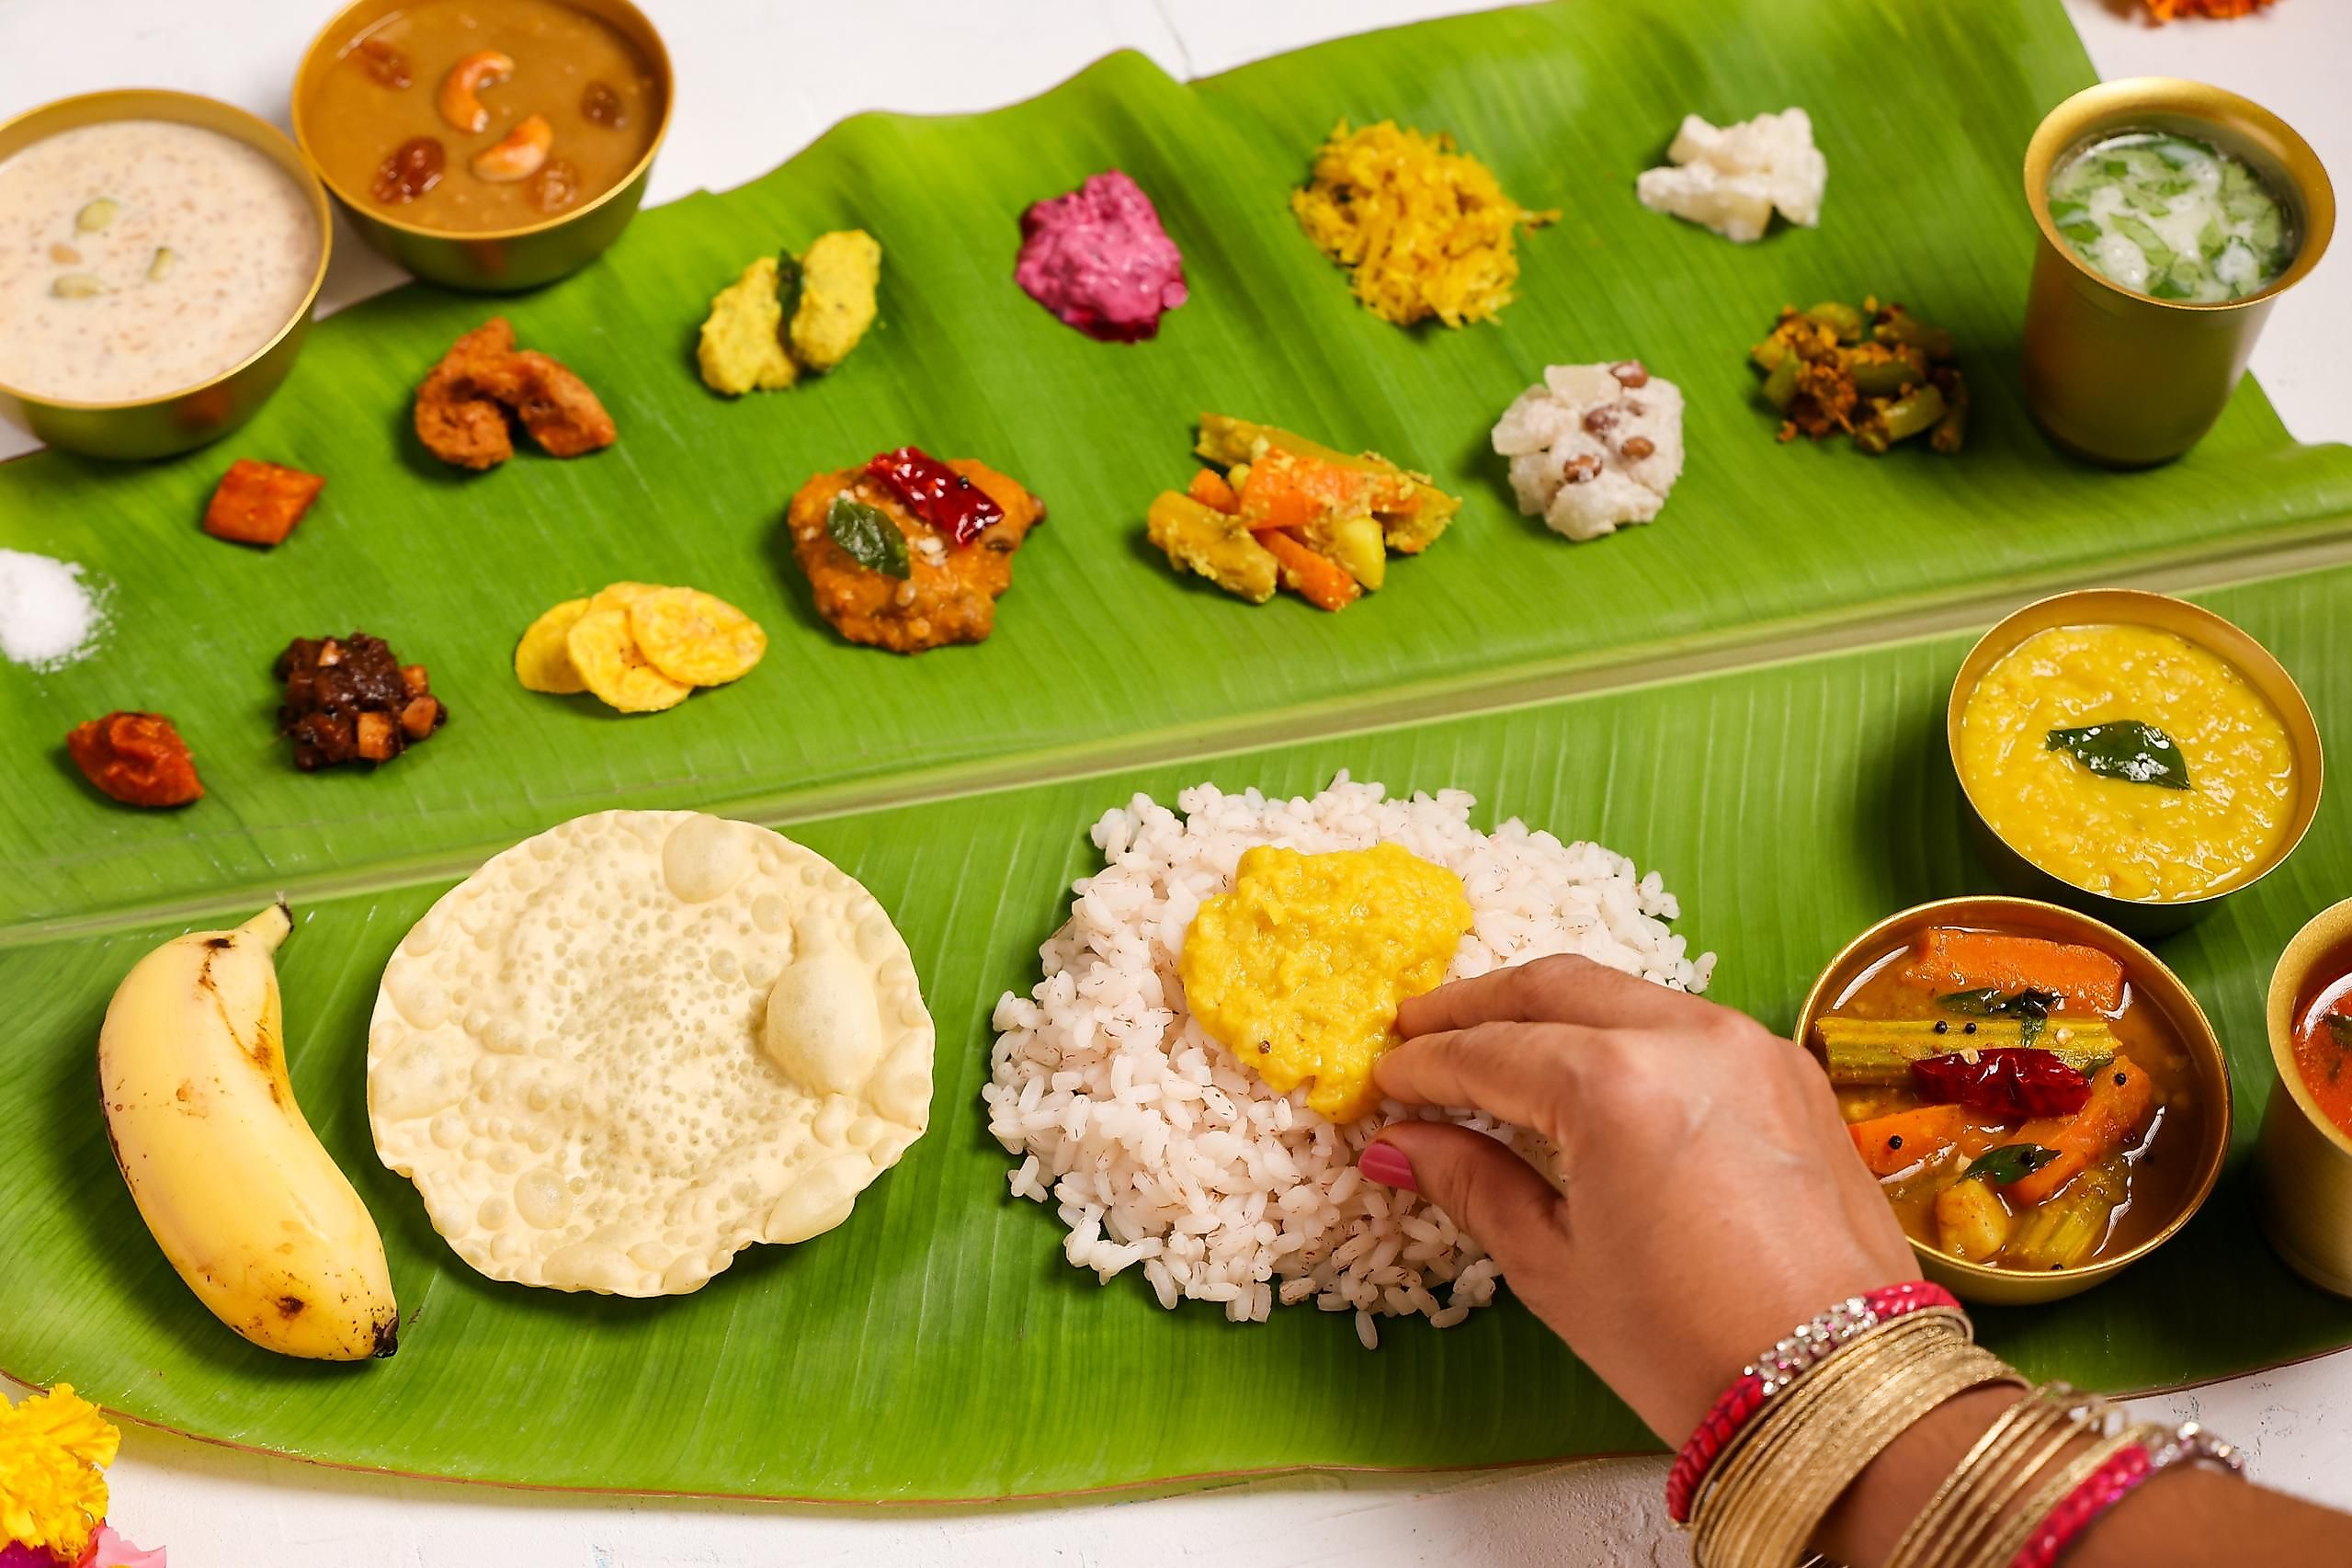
2021 1105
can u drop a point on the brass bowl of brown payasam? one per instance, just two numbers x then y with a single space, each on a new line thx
162 254
2185 1057
489 145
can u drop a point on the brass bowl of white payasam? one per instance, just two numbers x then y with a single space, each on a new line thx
160 254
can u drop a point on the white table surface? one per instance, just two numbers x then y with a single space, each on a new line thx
735 121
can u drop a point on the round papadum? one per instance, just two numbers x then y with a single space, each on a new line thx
629 1048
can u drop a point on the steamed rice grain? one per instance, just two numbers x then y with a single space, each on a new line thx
1157 1149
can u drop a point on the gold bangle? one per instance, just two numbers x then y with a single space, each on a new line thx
2021 1524
2093 1419
1920 1545
1722 1506
1776 1486
2005 1463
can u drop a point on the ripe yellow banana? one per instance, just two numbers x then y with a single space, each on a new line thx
247 1204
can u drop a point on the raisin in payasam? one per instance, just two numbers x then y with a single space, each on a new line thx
350 700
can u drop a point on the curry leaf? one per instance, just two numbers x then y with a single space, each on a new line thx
2340 1026
2030 1007
2127 749
868 535
2010 1162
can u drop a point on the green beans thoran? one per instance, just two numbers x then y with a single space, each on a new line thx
1879 374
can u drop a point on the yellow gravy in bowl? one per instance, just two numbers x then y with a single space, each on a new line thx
2128 761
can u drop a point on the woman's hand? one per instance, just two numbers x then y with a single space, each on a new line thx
1712 1200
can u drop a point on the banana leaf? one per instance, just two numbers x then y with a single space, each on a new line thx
1645 691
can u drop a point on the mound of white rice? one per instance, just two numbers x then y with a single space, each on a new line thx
1158 1149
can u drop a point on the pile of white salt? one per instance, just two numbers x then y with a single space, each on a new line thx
49 615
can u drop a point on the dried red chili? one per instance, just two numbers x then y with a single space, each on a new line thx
936 492
138 758
2008 1082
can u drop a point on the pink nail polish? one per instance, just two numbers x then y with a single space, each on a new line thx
1386 1164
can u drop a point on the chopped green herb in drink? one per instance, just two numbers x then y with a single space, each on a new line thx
2172 217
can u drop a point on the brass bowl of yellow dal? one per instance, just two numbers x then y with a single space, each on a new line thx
2152 981
2150 860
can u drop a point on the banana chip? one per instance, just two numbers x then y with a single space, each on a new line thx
691 636
601 645
621 595
543 658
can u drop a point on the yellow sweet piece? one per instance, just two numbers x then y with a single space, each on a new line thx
1299 970
543 658
2111 835
742 345
691 636
1425 230
839 277
614 668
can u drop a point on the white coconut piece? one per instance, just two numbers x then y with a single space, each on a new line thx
1731 179
626 1049
1593 447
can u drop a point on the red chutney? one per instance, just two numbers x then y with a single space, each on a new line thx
138 758
2324 1037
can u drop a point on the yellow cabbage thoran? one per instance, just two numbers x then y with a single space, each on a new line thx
1424 229
742 345
1299 970
839 277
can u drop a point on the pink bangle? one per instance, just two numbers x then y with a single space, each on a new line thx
1773 1372
2113 1481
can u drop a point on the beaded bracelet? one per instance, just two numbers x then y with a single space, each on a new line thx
2122 1474
1772 1372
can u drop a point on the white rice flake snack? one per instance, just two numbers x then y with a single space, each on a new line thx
1593 446
1731 179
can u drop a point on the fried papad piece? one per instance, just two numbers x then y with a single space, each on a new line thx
259 503
949 594
556 407
458 418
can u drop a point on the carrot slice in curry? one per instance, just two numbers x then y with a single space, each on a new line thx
2121 1098
1951 960
1899 1141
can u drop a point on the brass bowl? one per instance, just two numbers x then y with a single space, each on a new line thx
494 260
2302 1166
188 416
2150 979
2129 606
2122 377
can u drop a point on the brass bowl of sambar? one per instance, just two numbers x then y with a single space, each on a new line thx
2302 1165
1999 825
2200 1094
561 142
206 335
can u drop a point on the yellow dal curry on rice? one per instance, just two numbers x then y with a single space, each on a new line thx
2128 761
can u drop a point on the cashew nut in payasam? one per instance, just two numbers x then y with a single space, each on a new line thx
518 154
461 97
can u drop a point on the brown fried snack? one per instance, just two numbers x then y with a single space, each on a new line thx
259 503
348 699
950 593
458 418
555 406
464 407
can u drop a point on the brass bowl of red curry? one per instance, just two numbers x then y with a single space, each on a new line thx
2303 1162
